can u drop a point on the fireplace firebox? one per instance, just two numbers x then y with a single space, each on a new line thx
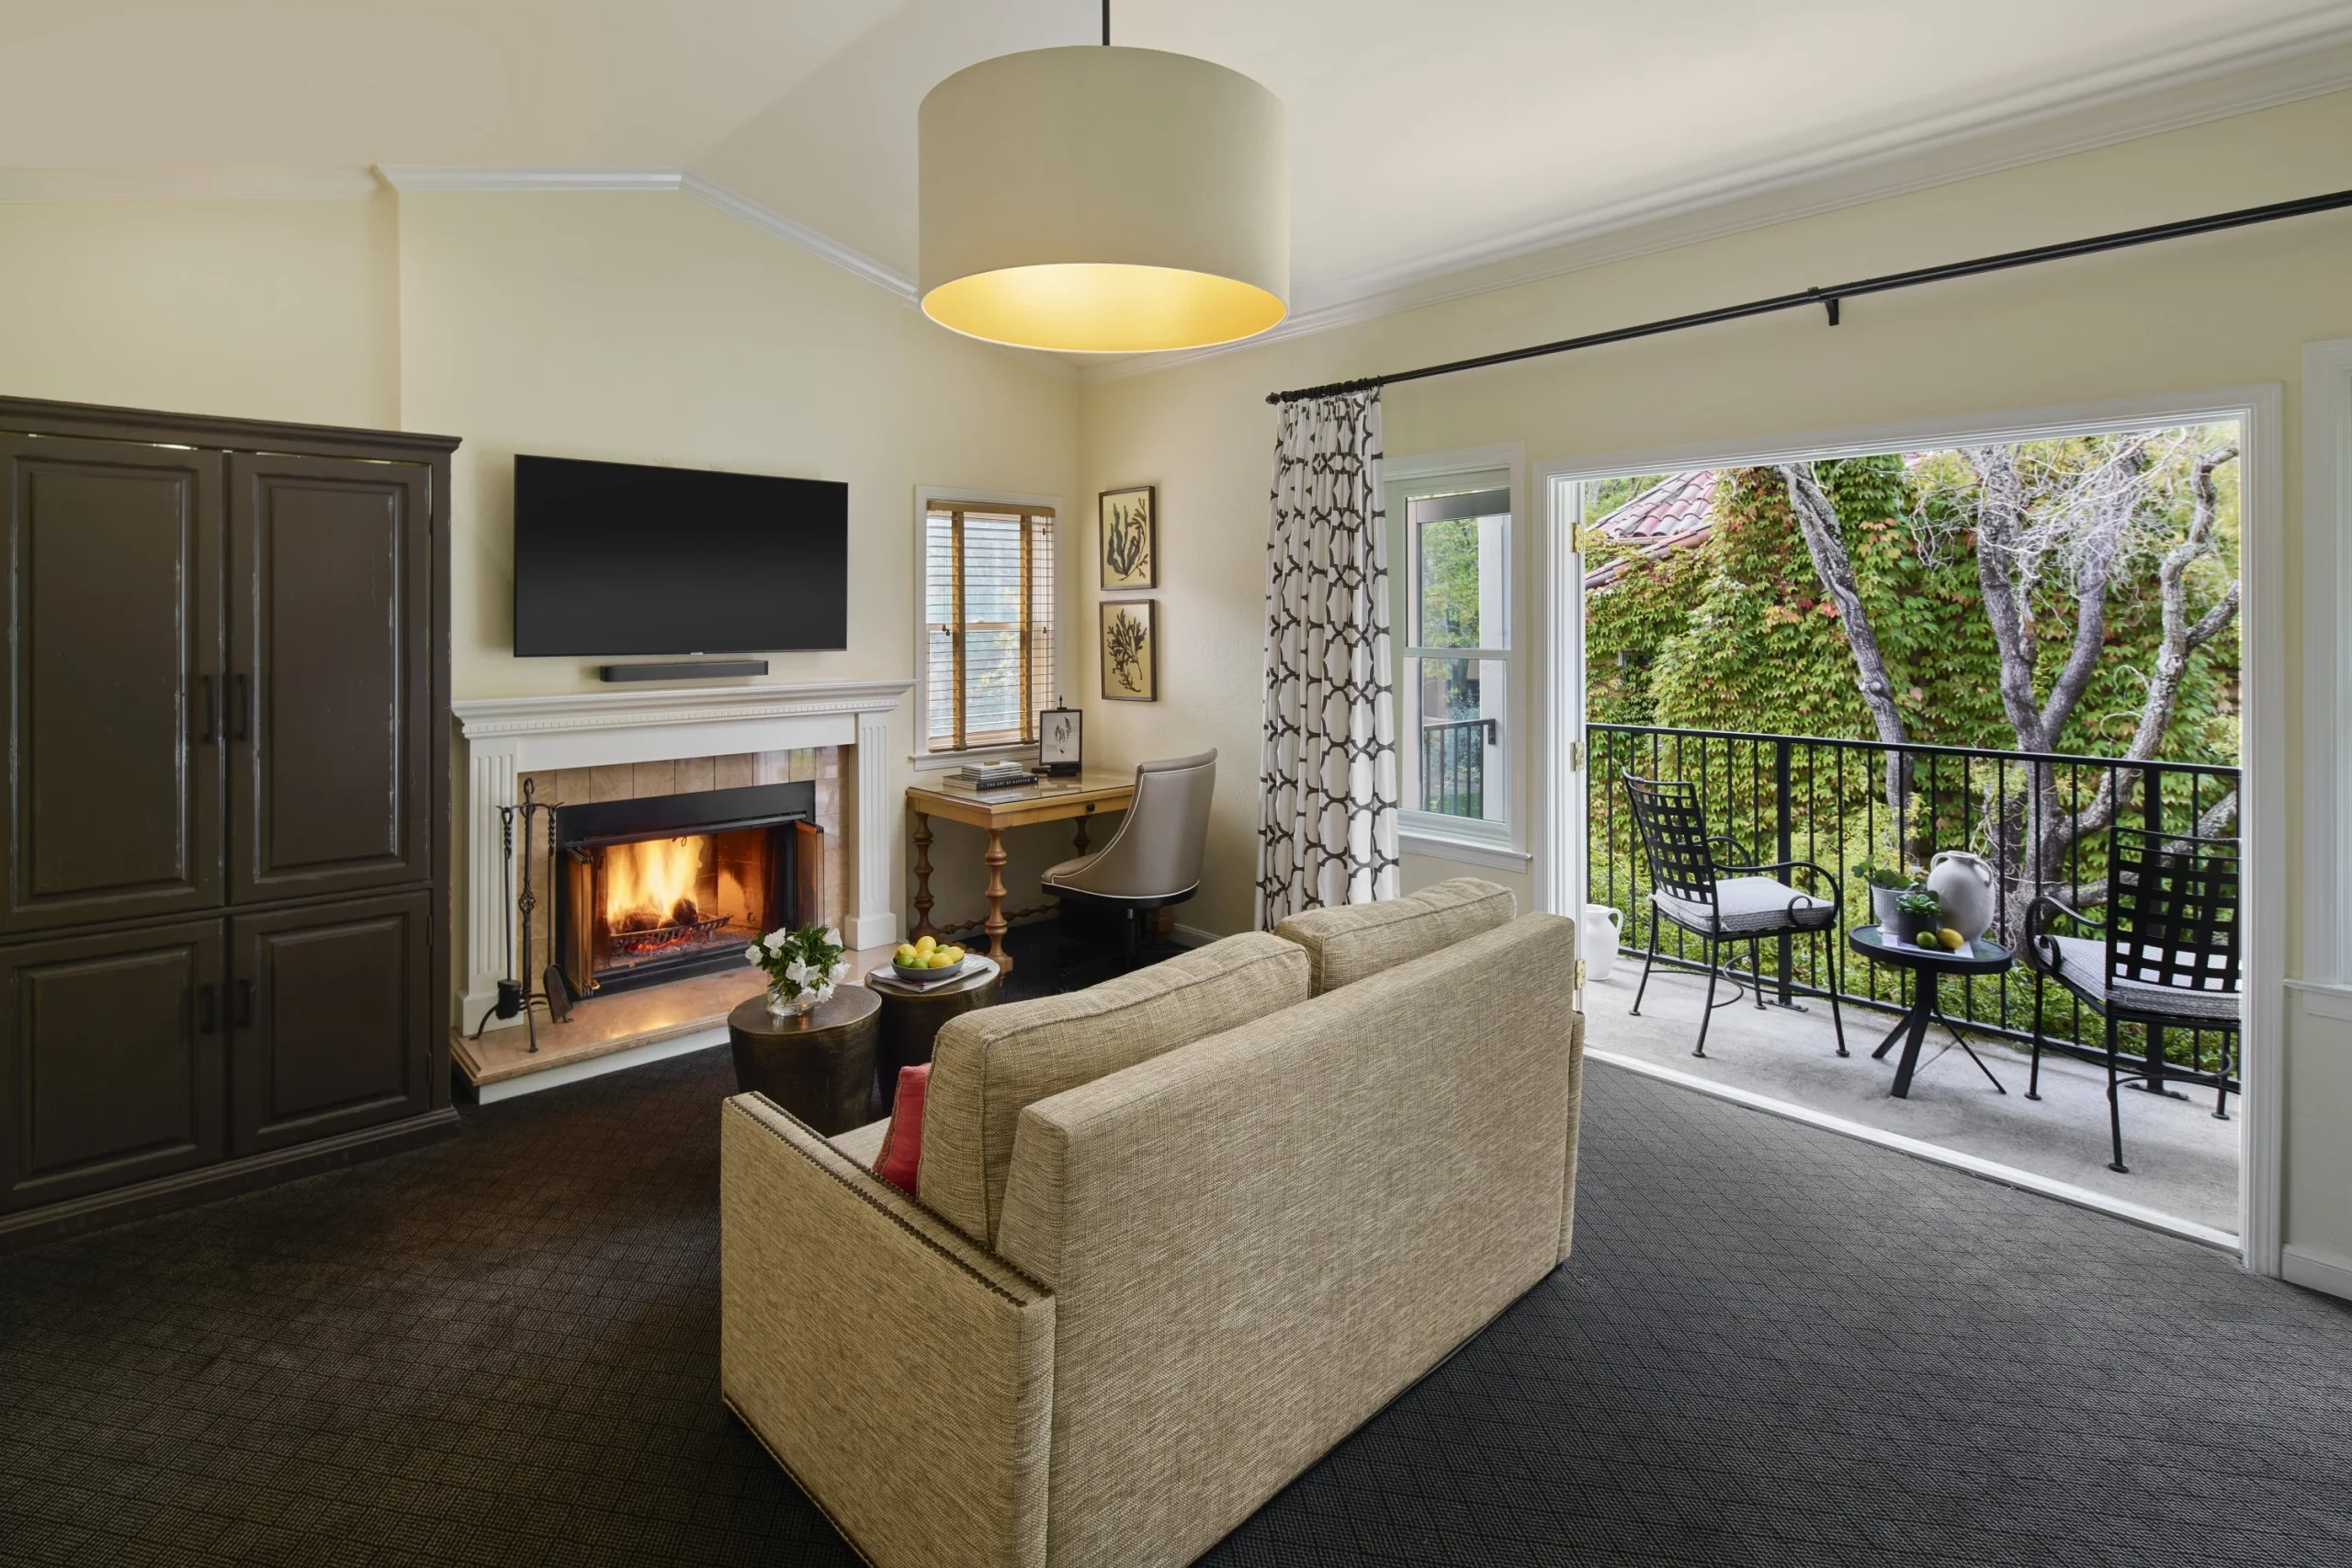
676 885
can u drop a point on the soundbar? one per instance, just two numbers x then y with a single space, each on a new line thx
686 670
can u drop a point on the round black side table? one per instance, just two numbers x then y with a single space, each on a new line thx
820 1066
1928 965
912 1016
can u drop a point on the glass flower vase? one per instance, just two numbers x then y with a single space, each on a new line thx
781 1005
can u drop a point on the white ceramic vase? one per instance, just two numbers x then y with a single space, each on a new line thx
1965 883
1602 925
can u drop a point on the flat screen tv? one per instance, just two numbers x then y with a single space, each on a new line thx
623 558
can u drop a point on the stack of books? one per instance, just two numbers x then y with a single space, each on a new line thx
991 776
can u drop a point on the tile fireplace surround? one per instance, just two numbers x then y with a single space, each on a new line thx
507 737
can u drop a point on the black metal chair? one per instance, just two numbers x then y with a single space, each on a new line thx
1725 902
2166 957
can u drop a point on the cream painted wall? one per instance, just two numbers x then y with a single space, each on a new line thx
267 309
642 327
2219 311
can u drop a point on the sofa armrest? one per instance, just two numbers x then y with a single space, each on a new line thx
901 1374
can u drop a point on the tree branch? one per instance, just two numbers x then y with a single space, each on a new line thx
1825 542
2004 583
2095 560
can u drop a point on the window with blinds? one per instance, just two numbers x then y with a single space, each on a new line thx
988 585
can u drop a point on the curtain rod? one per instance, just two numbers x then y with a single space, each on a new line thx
1829 298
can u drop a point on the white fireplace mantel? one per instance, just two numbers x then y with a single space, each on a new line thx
508 737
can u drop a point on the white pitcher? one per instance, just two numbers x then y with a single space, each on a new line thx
1965 883
1599 944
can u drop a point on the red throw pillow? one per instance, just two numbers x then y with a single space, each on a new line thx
902 1142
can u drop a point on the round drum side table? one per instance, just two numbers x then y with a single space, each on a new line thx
820 1066
912 1017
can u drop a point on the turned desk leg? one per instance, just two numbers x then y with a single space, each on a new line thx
1081 844
996 924
923 927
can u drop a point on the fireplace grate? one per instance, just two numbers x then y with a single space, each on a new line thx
654 939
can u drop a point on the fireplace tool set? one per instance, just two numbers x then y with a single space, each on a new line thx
521 995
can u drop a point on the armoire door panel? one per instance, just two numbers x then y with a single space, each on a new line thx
329 696
328 1008
114 611
111 1067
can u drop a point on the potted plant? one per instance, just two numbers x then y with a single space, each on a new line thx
802 967
1886 882
1917 910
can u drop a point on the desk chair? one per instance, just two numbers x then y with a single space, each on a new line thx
1154 859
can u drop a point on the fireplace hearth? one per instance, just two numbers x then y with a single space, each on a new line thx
669 885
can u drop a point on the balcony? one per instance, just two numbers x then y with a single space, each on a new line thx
2040 819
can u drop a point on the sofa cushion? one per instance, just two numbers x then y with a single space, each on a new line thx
901 1152
862 1144
1348 942
988 1065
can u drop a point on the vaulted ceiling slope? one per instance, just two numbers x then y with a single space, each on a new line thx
1425 136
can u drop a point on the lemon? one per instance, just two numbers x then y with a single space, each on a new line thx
1953 941
906 954
925 943
940 960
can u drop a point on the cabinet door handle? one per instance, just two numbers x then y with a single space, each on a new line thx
244 720
211 727
207 1015
241 1004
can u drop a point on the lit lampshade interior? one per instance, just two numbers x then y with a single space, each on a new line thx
1103 307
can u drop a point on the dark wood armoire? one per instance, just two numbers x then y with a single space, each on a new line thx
223 921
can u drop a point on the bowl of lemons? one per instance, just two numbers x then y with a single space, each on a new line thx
926 958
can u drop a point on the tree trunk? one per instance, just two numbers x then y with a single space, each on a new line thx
1825 542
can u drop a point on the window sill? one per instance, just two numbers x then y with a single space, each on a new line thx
939 761
1465 852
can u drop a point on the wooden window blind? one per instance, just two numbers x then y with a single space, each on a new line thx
988 587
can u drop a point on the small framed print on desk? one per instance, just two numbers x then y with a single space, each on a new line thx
1061 752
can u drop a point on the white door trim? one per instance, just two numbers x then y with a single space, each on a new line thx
2263 801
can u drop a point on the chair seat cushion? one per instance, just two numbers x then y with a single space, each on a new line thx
1750 905
1065 868
2082 968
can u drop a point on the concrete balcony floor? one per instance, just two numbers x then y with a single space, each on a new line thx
2183 1162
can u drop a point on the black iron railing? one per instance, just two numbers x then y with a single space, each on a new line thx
1454 766
2038 818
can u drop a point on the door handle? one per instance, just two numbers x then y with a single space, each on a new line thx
241 1004
207 1015
245 689
210 730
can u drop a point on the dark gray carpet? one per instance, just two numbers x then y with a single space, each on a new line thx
1773 1345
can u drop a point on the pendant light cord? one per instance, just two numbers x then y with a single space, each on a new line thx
1106 23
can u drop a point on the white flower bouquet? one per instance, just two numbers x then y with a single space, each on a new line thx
802 967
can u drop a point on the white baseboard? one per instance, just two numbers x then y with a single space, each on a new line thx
873 931
596 1067
2008 1175
2315 1270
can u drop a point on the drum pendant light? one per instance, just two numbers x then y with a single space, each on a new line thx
1104 200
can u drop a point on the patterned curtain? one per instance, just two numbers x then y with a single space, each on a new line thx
1327 825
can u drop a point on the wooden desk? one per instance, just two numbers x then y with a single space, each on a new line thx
993 811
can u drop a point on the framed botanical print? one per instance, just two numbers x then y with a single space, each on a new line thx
1130 650
1127 536
1061 742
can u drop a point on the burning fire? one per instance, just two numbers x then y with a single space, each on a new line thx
650 885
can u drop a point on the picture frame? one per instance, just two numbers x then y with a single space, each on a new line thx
1061 742
1126 538
1128 641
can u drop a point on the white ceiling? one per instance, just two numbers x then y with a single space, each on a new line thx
1426 133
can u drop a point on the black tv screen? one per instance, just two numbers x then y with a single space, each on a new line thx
619 559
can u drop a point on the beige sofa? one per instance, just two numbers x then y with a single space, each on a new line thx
1180 1235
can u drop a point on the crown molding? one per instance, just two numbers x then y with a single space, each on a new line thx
409 178
769 220
2173 94
220 183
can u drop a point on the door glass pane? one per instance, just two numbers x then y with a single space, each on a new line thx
1462 703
